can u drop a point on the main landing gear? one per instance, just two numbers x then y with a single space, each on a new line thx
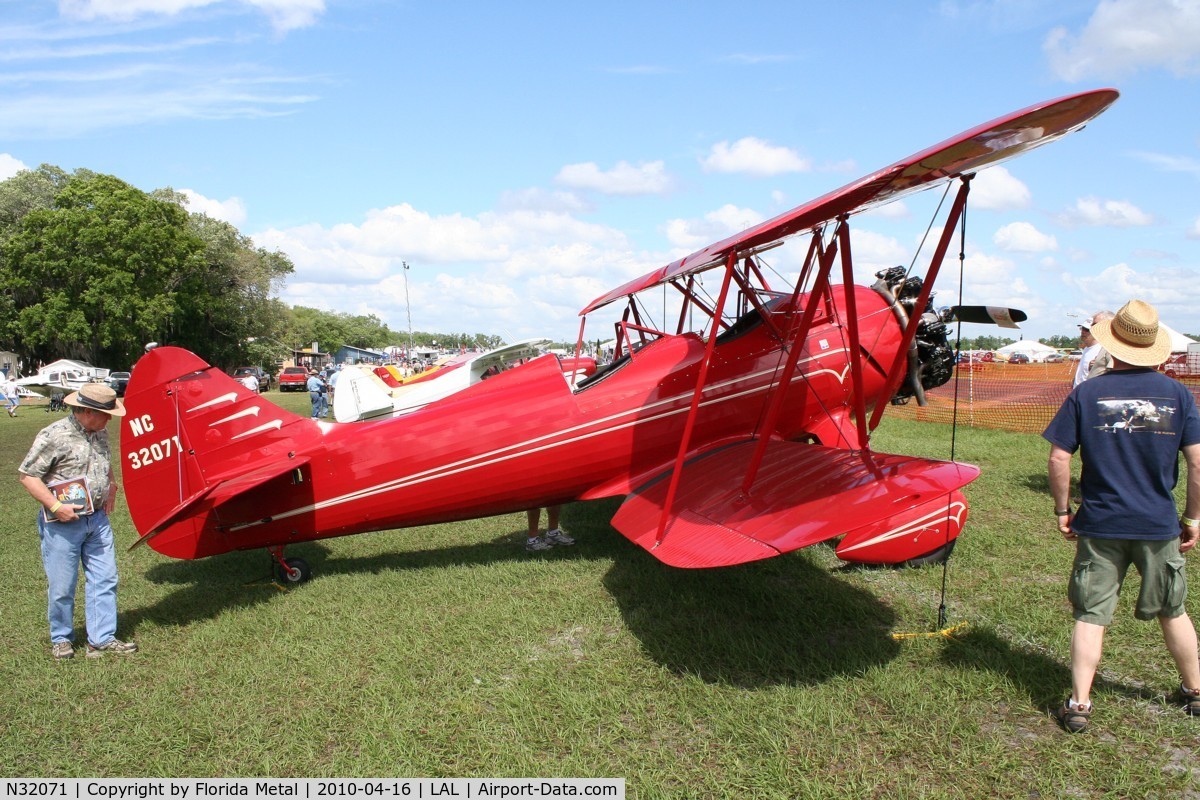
289 570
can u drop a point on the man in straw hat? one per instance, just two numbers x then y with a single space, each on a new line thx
1130 424
68 471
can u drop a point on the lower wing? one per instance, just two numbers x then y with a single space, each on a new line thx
890 508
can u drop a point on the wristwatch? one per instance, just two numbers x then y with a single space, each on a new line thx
1058 512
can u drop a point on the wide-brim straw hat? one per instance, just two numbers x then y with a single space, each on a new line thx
1134 335
97 397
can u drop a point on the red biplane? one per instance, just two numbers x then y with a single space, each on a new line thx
736 439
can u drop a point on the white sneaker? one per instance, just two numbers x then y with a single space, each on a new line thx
556 536
536 543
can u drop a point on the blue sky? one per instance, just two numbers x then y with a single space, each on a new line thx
525 157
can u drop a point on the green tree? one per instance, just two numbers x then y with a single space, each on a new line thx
332 329
226 300
102 268
1061 342
96 275
27 191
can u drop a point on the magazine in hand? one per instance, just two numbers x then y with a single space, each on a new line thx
70 491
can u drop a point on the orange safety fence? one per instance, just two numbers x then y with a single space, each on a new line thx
1011 397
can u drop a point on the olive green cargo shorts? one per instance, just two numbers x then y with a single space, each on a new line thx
1099 570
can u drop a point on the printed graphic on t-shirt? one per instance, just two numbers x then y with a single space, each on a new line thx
1127 415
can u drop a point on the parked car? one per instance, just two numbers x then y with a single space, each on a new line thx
264 378
1182 365
293 379
118 381
1019 358
1054 358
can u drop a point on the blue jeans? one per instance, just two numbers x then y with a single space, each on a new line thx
317 403
65 545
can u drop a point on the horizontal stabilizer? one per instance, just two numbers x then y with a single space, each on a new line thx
174 514
802 494
219 492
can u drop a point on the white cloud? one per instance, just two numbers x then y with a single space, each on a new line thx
1174 291
204 96
1124 36
1023 237
285 15
9 166
692 234
482 273
538 199
1180 164
74 50
623 179
754 157
995 189
1092 211
987 280
893 210
232 210
873 252
1194 231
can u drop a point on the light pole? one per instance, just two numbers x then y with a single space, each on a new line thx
408 309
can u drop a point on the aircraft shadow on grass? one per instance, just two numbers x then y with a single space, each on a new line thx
783 621
243 579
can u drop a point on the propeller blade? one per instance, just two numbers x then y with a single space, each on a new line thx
987 315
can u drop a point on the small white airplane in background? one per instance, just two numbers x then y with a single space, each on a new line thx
365 392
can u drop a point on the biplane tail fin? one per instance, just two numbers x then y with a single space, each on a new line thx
191 437
888 509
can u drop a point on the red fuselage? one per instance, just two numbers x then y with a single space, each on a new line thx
252 475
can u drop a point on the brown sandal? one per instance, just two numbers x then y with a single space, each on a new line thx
1074 720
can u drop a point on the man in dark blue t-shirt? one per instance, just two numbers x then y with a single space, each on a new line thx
1129 425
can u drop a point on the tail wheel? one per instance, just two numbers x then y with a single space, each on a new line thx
293 570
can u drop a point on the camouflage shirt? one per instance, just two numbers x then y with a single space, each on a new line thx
64 449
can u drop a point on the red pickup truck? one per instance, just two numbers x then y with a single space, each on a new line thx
293 379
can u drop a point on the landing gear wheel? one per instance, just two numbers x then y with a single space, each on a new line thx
297 571
935 557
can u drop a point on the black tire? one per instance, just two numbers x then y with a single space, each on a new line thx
937 556
298 571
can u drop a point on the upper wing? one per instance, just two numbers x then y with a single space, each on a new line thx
891 507
972 150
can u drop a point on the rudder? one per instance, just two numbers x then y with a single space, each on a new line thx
189 428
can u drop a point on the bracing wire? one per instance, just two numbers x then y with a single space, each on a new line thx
962 258
941 628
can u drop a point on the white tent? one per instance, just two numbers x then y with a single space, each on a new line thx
1179 342
1034 349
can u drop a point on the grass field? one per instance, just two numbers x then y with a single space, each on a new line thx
450 651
